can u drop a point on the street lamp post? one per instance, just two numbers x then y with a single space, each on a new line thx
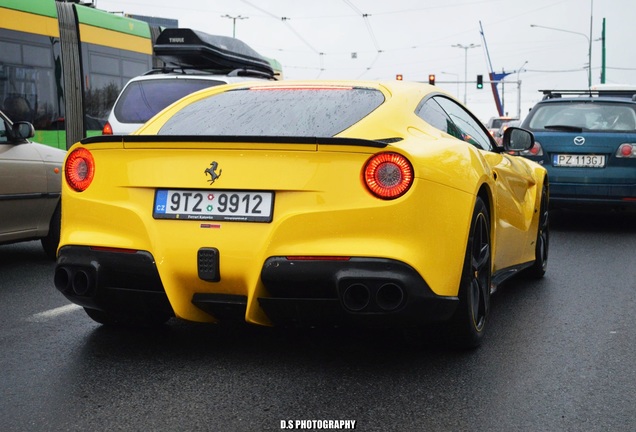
589 49
234 18
519 90
465 48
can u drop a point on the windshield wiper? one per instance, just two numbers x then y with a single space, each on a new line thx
565 128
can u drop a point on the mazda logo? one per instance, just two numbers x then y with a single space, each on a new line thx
579 140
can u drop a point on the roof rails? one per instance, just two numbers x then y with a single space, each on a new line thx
196 71
184 48
621 93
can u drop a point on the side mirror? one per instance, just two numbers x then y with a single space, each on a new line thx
23 130
517 140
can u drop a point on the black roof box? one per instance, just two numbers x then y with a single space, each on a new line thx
194 49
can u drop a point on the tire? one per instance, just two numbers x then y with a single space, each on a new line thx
147 320
469 321
538 268
100 317
52 239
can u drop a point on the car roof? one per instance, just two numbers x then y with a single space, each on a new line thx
409 90
587 99
605 95
197 76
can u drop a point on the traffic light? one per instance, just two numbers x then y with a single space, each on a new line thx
398 77
480 81
431 79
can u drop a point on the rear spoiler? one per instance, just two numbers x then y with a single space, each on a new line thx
382 143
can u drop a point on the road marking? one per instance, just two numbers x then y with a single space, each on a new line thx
53 313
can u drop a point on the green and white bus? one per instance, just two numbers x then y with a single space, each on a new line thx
62 65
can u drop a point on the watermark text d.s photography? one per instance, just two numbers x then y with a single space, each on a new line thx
318 424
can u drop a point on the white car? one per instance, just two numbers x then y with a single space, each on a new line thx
496 122
194 61
144 96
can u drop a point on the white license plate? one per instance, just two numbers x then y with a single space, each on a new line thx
578 161
221 205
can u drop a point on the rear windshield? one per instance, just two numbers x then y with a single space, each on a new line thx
297 112
141 100
599 116
497 123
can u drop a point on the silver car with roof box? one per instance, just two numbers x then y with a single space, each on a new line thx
30 184
194 61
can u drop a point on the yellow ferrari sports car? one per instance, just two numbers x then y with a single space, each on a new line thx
304 203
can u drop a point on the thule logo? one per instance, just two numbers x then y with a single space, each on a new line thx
177 40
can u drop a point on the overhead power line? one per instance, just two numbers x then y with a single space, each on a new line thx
284 20
365 17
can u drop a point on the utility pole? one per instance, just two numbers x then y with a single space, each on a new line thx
465 48
603 54
589 50
589 55
503 92
519 90
234 18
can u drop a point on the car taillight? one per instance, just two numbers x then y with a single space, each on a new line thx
627 150
79 169
388 175
535 150
108 129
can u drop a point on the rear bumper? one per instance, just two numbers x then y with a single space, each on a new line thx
371 292
608 195
117 282
361 291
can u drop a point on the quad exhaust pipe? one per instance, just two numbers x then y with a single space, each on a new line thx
362 297
356 297
389 297
78 281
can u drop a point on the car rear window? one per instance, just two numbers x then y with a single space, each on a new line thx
276 111
497 123
599 116
141 100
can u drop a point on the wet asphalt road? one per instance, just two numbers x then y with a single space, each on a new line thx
559 356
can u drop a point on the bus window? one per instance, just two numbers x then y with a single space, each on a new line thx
33 71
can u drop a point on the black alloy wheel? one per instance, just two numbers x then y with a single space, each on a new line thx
469 322
538 268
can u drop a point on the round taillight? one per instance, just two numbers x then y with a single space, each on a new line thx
388 175
79 169
626 150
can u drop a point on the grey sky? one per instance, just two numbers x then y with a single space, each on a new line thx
318 39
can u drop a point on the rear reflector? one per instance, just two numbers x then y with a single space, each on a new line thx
318 258
113 249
